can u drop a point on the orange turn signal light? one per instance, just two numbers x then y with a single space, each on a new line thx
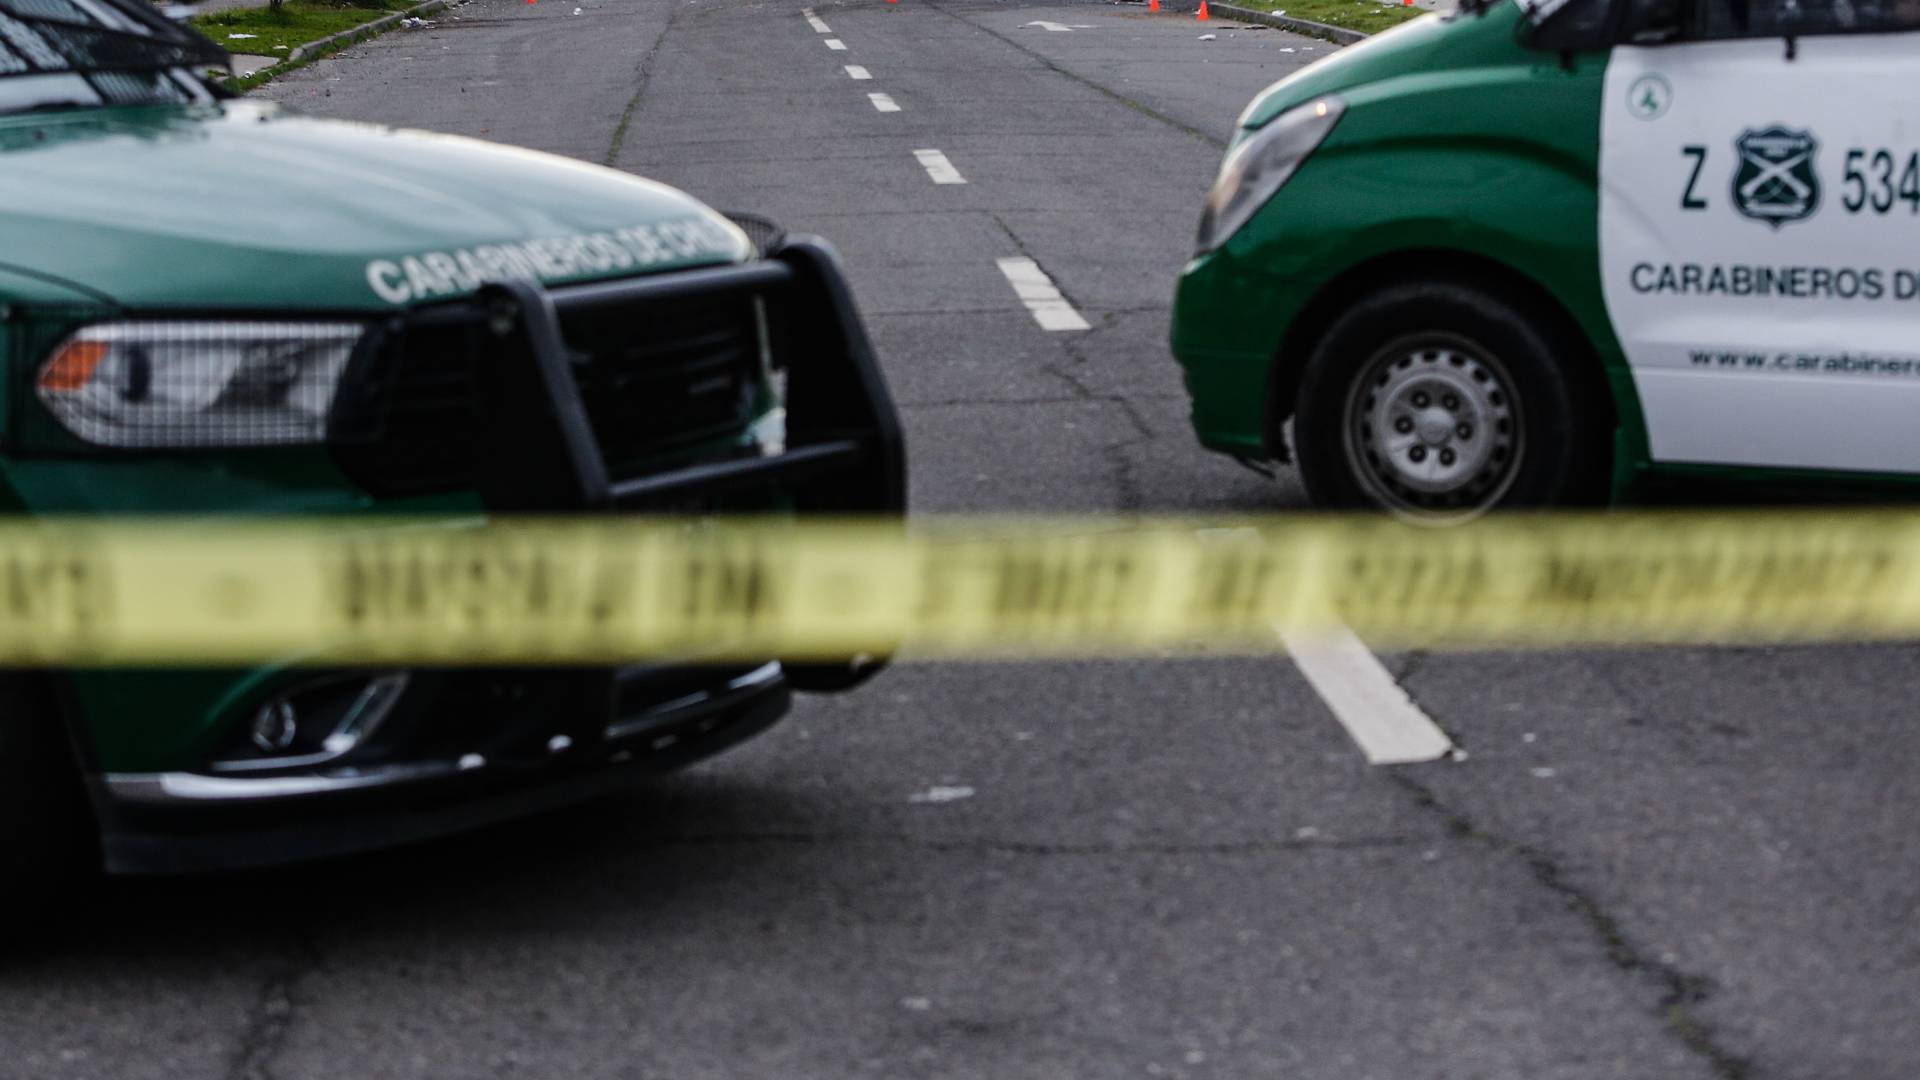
72 367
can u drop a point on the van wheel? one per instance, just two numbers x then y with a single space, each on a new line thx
1439 402
48 842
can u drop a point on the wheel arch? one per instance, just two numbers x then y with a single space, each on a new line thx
1452 266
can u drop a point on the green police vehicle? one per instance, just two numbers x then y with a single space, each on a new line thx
216 308
1558 252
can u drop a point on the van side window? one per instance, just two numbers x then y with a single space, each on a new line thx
1782 18
1645 22
1573 25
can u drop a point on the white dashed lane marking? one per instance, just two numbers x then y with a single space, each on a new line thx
1389 728
1036 290
939 167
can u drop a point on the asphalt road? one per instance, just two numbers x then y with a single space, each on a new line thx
1649 864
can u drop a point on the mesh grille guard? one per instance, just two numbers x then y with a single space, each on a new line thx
96 38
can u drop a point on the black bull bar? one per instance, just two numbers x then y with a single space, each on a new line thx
844 453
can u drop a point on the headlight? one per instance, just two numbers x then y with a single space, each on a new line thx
1257 168
159 384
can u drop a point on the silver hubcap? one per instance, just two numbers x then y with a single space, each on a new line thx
1433 427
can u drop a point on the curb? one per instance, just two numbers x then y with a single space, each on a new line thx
1338 34
331 42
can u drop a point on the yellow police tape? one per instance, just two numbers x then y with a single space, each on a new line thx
99 591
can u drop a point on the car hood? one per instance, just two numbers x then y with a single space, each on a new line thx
243 205
1422 46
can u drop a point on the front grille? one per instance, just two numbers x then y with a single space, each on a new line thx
682 378
657 381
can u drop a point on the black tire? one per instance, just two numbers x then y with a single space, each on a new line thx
1543 438
49 845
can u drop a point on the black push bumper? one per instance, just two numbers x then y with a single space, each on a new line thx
844 453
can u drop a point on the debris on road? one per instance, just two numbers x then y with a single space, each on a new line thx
941 794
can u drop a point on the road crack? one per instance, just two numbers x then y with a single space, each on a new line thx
1020 246
645 75
265 1029
1126 481
1681 992
1117 454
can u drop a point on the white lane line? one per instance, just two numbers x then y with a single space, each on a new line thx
855 71
1057 28
1377 713
1042 297
939 168
883 102
836 44
819 25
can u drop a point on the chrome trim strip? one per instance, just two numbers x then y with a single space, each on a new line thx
174 788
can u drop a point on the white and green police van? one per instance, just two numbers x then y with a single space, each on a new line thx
1562 252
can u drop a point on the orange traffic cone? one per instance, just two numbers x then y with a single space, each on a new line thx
1202 16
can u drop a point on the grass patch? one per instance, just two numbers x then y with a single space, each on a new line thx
295 23
1366 16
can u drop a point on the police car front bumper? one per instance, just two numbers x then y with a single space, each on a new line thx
479 747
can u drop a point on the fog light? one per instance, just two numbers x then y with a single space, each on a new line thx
275 726
313 723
